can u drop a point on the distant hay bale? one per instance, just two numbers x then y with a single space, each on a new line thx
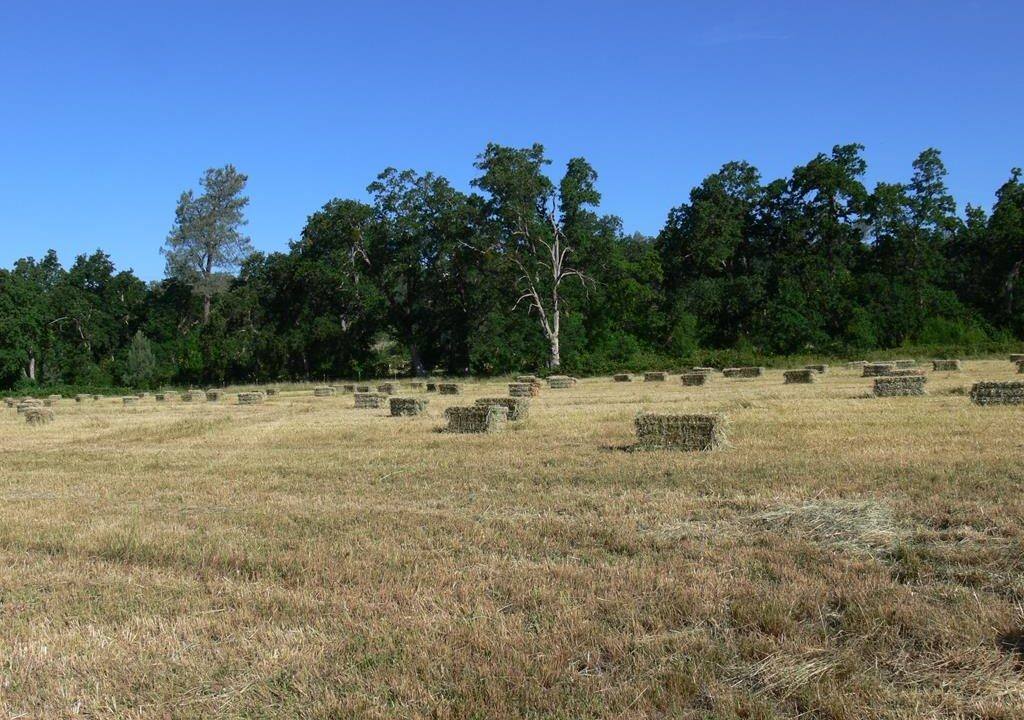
10 402
694 378
82 397
213 395
528 379
96 397
38 416
388 388
193 396
449 389
877 369
900 386
476 419
363 389
903 372
369 399
130 400
693 433
795 377
1020 367
946 365
518 389
997 393
622 377
819 368
1016 357
251 398
518 407
142 395
904 364
50 401
407 406
160 397
655 376
55 397
431 387
271 392
743 372
323 391
856 364
348 388
27 404
703 369
560 382
415 386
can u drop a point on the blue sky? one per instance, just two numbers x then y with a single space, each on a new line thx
109 110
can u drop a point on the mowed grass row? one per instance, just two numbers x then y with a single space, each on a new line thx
844 557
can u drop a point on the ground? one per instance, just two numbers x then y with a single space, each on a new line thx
844 557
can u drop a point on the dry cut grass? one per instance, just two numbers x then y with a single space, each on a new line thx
844 557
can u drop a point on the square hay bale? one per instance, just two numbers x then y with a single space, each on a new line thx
431 387
877 369
10 402
476 419
142 395
795 377
856 364
702 369
694 378
997 393
96 397
388 388
369 399
904 364
518 389
82 397
901 386
55 398
1016 357
528 379
903 372
560 382
622 377
518 407
193 396
693 433
323 391
819 368
946 366
363 389
38 416
1020 367
449 389
743 372
130 400
50 402
28 404
348 388
251 398
407 406
213 395
271 392
655 376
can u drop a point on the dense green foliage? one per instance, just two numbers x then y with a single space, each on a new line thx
424 277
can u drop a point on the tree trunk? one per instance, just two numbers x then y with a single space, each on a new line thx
206 309
556 357
32 367
416 360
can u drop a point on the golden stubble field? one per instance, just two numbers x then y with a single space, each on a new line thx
845 557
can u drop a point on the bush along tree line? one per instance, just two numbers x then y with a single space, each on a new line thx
524 272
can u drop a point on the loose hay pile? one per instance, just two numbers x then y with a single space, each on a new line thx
622 377
476 419
407 406
38 416
369 400
323 391
388 388
694 433
449 389
518 407
946 365
793 377
655 376
694 378
899 386
518 389
561 382
820 369
251 398
997 393
877 369
743 372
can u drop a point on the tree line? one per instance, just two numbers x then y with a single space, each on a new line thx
525 272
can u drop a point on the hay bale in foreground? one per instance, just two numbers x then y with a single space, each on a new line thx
251 398
366 400
518 407
561 382
130 400
323 391
694 378
877 369
804 376
388 388
743 372
901 386
476 419
407 406
449 389
622 377
518 389
997 393
819 368
38 416
946 366
693 433
655 376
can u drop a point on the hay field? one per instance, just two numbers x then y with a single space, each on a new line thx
845 557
